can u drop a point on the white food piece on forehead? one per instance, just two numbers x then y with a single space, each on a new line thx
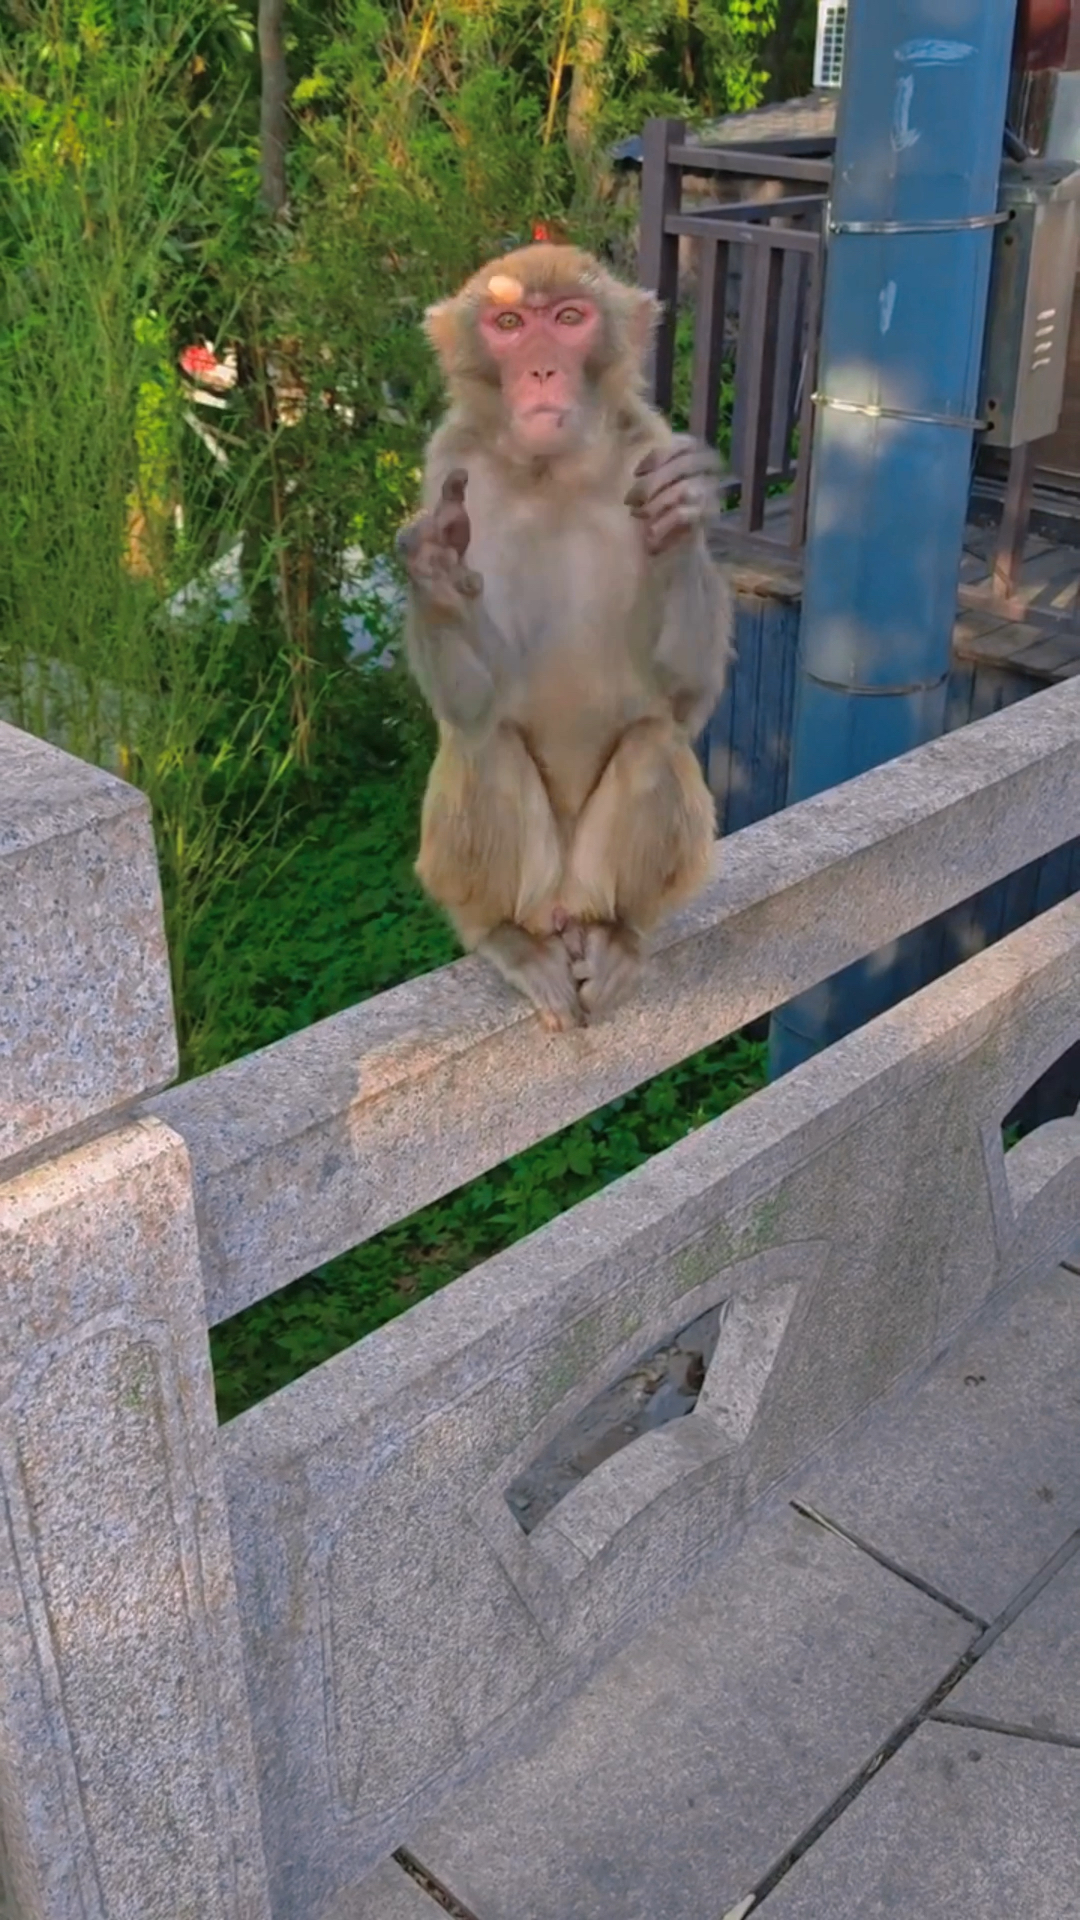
505 289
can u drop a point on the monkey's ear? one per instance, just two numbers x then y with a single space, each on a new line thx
442 324
645 316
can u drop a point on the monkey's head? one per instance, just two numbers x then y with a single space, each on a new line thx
542 343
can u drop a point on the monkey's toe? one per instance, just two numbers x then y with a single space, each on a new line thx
540 970
553 1021
574 940
551 987
609 972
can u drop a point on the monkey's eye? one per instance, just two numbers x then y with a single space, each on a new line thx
507 322
571 317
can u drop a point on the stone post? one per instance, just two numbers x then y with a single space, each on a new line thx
127 1786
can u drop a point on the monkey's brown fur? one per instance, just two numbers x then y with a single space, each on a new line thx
566 813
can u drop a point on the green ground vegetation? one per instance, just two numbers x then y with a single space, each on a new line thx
135 223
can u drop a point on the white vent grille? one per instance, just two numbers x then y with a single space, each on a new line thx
829 51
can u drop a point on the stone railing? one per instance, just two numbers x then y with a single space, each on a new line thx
237 1663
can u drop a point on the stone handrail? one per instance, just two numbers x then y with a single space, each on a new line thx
314 1144
848 1222
237 1663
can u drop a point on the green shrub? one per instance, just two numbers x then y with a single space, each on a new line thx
285 782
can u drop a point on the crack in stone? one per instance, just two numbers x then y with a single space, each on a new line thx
891 1566
902 1734
981 1723
430 1883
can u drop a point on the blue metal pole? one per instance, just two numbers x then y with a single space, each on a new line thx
918 155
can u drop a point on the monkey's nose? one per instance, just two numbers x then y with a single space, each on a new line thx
543 374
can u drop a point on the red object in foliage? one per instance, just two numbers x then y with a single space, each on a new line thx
1048 36
198 360
540 231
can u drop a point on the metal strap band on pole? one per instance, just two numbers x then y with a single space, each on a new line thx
969 224
971 424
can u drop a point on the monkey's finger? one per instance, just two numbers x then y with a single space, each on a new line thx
451 526
453 487
410 537
652 458
441 577
683 455
679 443
697 495
692 463
702 499
671 526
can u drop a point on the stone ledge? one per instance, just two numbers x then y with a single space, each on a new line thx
312 1145
84 972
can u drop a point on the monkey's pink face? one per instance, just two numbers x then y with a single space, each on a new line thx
541 351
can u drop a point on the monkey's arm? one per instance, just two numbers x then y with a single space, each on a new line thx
693 639
462 661
451 654
673 494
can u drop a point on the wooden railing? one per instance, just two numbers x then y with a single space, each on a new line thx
772 249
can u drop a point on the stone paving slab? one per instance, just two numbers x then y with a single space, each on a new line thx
387 1894
718 1739
1031 1676
958 1826
973 1482
701 1752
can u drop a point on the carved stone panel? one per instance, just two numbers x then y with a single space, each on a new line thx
128 1785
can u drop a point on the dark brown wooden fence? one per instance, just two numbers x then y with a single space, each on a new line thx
772 249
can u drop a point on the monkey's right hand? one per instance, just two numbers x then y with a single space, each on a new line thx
433 548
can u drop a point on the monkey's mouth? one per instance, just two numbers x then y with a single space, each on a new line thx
545 426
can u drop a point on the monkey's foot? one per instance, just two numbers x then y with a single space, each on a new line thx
541 970
606 967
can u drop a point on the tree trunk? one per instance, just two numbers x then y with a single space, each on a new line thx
586 87
788 55
273 108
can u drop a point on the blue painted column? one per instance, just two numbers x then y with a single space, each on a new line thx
918 154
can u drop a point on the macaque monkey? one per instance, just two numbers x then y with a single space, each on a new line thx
569 629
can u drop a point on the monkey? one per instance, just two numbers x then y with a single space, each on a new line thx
569 630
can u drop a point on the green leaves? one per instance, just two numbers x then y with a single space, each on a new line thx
285 785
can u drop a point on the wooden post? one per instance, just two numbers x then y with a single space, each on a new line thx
709 338
658 250
766 264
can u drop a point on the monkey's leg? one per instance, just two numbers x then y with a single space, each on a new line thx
643 846
491 856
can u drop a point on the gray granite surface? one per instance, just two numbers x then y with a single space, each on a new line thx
705 1748
1031 1677
86 1017
809 1732
973 1485
959 1826
387 1894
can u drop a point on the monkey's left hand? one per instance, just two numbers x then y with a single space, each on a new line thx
674 492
